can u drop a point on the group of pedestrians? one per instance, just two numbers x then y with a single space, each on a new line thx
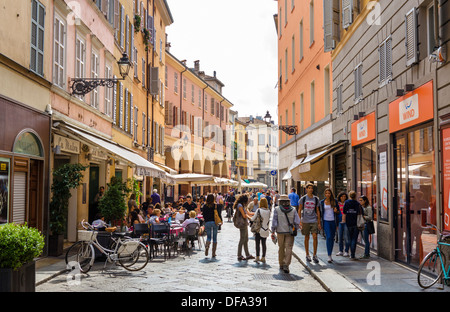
334 215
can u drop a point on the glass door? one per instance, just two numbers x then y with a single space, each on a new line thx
402 246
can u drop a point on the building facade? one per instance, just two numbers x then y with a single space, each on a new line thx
304 95
390 82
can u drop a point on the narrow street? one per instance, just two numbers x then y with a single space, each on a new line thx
195 273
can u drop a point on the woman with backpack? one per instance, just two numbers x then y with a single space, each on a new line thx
240 220
262 219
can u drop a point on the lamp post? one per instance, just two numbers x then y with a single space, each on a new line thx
288 129
82 86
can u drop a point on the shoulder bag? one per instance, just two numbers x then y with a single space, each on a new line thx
238 220
256 225
217 219
292 228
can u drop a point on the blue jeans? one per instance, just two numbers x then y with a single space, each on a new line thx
353 233
343 237
366 241
211 230
330 232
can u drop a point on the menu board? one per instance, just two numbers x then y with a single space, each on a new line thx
446 176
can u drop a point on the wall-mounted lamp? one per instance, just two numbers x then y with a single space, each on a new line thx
88 157
57 150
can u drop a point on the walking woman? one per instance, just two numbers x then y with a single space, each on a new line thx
351 210
239 205
210 225
329 214
343 237
367 214
261 236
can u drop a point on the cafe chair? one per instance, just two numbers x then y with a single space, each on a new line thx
191 234
160 237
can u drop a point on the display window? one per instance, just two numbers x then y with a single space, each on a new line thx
5 178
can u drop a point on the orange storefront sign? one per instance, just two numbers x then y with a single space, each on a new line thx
363 130
412 109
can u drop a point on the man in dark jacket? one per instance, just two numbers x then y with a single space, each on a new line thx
351 210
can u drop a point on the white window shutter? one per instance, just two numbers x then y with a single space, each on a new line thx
114 108
131 115
126 109
329 42
347 13
411 37
120 105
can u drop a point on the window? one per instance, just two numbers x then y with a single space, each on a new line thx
358 83
199 98
206 102
175 82
122 27
302 112
301 40
59 54
385 54
327 83
293 113
143 72
431 24
184 89
192 94
313 103
285 12
293 53
279 17
108 91
339 100
412 49
5 180
212 106
135 63
80 58
144 119
136 118
285 65
95 67
120 108
37 37
311 22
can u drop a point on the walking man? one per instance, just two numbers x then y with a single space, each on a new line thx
285 219
309 209
293 197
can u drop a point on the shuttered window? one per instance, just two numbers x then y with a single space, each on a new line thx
19 197
331 24
358 83
136 118
37 37
108 91
59 51
385 55
411 39
114 102
120 110
339 103
95 67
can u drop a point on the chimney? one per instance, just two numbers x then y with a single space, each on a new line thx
197 66
214 74
183 62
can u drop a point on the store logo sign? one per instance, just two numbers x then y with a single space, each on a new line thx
409 109
362 132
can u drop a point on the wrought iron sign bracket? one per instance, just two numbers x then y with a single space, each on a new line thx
82 86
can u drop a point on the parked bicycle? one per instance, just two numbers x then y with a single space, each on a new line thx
432 268
130 253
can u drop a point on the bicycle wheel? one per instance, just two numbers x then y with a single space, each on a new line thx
430 270
133 255
84 256
71 255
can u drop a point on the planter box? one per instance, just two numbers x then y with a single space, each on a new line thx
21 280
55 245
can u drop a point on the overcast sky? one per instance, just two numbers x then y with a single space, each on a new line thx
235 38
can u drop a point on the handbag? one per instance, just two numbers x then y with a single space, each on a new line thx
238 220
217 218
292 228
255 227
370 227
360 222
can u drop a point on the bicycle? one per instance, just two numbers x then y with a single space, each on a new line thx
432 267
130 253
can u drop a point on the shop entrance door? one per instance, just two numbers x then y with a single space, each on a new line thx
94 177
401 218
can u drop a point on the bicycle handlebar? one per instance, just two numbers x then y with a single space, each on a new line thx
86 225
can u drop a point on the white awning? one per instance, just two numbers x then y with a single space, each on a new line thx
143 166
287 176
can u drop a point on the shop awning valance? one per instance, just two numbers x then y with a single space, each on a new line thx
142 166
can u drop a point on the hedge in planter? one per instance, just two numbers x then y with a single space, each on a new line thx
112 205
19 245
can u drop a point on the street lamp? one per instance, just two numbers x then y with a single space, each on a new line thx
82 86
288 129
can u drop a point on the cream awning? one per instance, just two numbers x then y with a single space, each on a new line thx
142 166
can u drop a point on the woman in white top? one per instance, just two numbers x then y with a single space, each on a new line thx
329 213
261 236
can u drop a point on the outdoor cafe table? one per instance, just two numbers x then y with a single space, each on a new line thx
176 230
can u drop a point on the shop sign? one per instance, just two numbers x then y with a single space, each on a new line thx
363 130
446 176
98 153
412 109
66 144
384 211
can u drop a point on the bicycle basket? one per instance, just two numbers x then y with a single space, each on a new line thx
87 236
128 248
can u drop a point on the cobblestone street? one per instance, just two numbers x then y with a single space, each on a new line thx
195 273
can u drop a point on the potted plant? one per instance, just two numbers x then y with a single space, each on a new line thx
19 245
65 178
112 205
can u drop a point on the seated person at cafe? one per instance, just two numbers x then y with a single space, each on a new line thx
154 219
192 219
180 215
99 223
189 204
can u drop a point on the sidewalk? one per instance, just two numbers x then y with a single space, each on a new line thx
345 275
